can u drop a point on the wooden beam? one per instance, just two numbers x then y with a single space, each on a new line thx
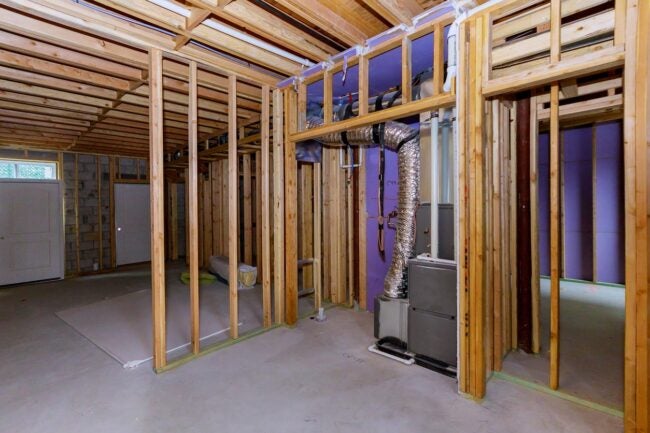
233 230
415 107
406 70
278 205
248 210
395 11
317 274
555 236
264 203
290 209
534 225
193 218
598 61
157 186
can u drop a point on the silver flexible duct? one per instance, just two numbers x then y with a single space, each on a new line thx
406 141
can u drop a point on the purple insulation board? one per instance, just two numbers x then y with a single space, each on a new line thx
377 267
610 246
578 203
592 194
544 206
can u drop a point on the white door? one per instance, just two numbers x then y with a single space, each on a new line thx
31 231
132 224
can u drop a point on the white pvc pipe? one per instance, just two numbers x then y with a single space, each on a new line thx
170 6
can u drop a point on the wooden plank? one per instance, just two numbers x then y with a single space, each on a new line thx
100 218
463 212
76 212
636 139
406 70
362 228
290 211
497 343
513 225
157 187
534 225
554 366
193 217
349 233
278 205
307 224
318 289
111 212
438 59
265 203
327 102
396 112
248 209
257 204
214 204
586 64
233 230
363 85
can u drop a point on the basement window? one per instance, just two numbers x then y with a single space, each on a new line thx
27 170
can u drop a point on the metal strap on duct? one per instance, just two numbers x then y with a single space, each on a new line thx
406 141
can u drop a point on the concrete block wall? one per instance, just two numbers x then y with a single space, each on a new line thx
82 213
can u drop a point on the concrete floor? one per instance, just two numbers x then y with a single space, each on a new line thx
317 377
592 340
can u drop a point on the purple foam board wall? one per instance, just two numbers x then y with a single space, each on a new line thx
544 205
578 203
384 71
579 199
377 267
610 246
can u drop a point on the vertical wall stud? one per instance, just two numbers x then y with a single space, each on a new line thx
534 224
193 220
157 187
278 205
555 236
233 230
263 202
291 215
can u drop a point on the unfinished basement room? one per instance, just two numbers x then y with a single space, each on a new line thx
295 216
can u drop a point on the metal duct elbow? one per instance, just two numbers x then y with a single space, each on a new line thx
406 141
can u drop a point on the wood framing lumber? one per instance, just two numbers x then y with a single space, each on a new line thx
157 187
233 211
193 219
264 202
278 205
555 245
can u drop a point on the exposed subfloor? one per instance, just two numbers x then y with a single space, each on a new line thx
317 377
592 338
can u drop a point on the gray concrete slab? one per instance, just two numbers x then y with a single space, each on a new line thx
317 377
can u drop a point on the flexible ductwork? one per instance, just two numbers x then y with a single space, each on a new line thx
406 141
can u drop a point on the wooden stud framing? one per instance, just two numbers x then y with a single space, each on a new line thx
554 376
290 209
318 289
157 187
193 218
406 70
636 178
264 203
361 248
233 231
534 225
248 209
278 205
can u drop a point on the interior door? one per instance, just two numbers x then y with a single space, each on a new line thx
132 223
31 231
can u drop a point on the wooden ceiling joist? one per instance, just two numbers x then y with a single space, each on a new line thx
395 11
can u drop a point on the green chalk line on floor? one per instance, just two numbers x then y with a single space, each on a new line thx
230 342
559 394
